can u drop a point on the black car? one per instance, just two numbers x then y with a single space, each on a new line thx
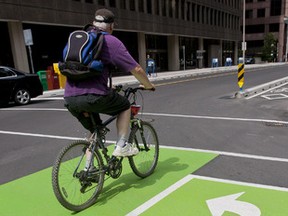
18 87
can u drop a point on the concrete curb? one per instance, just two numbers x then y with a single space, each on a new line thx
261 88
162 76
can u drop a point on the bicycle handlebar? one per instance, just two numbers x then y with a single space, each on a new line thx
130 90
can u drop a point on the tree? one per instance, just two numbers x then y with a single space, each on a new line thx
269 50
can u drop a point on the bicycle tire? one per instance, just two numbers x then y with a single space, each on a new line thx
144 163
66 186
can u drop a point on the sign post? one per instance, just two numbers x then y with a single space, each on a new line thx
29 42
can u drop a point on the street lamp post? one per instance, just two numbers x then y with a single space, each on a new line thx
244 43
242 65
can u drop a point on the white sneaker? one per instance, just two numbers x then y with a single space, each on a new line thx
125 151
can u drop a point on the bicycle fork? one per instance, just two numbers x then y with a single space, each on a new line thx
141 129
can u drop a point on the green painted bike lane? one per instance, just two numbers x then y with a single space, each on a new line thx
33 194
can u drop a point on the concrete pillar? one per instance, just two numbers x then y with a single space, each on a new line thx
220 51
173 53
200 47
235 60
142 49
18 47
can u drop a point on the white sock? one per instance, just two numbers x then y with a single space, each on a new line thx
121 141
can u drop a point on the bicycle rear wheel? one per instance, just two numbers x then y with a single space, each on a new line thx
146 140
75 188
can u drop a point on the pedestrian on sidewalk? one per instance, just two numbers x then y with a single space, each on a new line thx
150 66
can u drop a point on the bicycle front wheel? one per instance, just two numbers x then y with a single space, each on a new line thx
75 188
146 140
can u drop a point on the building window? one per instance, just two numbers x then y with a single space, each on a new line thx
149 6
193 12
123 4
188 12
101 2
112 3
163 8
249 14
171 8
253 29
176 9
274 27
183 9
198 15
275 8
141 6
261 12
132 5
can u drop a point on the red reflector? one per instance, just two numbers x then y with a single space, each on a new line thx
135 109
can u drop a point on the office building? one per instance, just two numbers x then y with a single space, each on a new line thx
262 17
168 30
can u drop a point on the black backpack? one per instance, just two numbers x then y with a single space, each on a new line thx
80 55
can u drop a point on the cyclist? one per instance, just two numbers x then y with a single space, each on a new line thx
95 96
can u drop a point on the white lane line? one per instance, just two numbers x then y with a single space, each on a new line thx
159 196
46 136
154 200
215 118
33 109
263 92
48 98
39 135
162 115
232 154
270 187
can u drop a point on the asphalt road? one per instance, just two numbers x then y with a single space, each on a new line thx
196 113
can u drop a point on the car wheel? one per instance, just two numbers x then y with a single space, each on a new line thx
22 97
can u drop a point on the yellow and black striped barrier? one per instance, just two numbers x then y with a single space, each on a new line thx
240 76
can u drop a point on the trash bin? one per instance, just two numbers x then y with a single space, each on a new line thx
43 79
52 79
62 79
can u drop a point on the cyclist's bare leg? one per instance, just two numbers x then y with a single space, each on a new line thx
122 124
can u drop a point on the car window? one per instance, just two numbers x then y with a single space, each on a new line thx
5 72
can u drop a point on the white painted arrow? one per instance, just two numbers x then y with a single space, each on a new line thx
229 203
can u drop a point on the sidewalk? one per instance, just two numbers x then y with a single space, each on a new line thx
130 79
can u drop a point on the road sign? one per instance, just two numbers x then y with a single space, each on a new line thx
28 37
244 46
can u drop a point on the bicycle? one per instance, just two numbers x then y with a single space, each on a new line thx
76 188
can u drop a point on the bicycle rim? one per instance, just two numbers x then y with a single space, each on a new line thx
145 139
71 191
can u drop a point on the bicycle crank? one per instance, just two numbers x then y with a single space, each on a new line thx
115 167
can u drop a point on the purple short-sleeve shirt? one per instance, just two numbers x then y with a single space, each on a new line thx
113 53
